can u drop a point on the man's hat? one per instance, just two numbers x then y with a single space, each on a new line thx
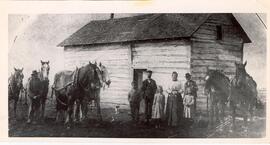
34 72
188 75
149 71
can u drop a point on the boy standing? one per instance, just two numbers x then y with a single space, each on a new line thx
134 102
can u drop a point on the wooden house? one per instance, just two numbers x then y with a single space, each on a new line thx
162 43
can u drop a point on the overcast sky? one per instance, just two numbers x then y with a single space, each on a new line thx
35 37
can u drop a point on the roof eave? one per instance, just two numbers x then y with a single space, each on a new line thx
121 42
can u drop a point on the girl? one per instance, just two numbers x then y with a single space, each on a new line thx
188 103
158 106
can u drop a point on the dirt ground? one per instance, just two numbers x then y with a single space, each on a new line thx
121 126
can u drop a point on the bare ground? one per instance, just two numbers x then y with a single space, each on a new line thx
120 126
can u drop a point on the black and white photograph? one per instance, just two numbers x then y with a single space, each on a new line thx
137 75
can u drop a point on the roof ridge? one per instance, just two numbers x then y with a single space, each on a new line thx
114 19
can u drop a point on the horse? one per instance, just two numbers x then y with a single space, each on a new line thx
243 95
93 94
15 84
43 76
80 86
217 86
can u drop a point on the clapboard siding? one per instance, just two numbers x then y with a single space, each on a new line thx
163 58
207 52
114 57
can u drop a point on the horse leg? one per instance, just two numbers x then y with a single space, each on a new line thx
43 108
15 106
57 116
233 111
70 109
223 111
98 106
25 97
211 115
77 111
84 108
217 113
251 112
68 116
245 110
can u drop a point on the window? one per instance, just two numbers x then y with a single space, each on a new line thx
219 32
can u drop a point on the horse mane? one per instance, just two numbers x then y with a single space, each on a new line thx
250 80
250 86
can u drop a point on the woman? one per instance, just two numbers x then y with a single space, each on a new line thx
174 109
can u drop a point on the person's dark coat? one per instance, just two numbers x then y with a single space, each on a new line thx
35 86
148 89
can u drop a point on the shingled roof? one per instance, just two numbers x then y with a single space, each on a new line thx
142 27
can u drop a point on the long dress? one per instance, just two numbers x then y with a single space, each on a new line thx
174 108
158 106
188 105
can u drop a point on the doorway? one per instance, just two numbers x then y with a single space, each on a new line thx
138 76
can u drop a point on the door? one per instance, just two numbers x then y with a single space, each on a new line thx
139 76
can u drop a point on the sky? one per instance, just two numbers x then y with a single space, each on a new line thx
35 37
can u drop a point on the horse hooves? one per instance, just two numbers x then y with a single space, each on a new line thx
68 127
98 125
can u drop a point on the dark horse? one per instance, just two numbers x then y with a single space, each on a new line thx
243 93
15 84
217 86
80 86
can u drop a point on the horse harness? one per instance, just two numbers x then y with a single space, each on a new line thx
74 84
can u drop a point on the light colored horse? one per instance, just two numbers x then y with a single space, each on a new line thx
44 77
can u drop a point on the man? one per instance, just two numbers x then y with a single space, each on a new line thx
148 89
34 92
190 84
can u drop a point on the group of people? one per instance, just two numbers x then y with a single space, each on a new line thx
150 98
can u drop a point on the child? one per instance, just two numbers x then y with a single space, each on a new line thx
188 103
158 106
134 102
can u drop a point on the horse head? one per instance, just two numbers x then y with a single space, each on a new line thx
18 77
45 69
216 80
105 75
240 73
